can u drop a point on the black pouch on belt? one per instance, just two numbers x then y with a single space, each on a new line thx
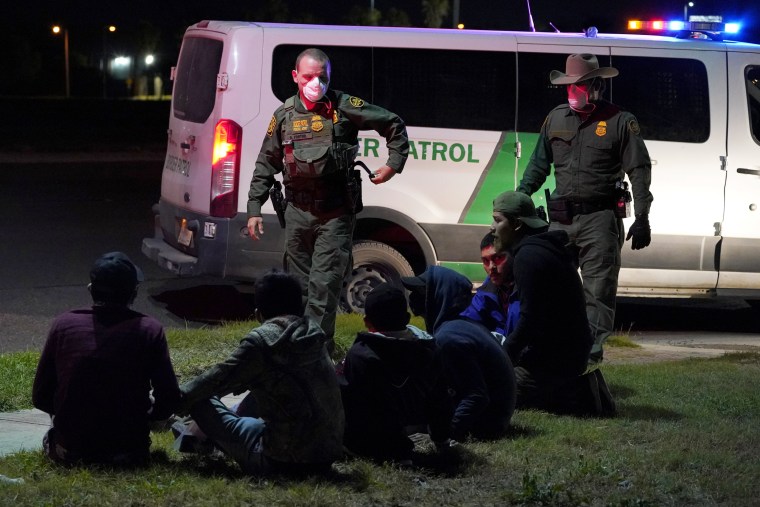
560 210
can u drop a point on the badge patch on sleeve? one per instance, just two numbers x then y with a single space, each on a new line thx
601 128
356 101
272 126
633 126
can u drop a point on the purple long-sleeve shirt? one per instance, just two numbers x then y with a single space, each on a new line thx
95 377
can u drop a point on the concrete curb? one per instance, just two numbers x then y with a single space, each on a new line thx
23 430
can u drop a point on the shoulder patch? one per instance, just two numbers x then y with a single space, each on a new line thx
633 127
356 101
272 126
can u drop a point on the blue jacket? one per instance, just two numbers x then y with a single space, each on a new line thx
478 374
486 308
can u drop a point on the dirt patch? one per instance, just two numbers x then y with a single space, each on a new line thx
649 353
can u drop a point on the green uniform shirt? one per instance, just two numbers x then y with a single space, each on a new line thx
353 115
590 156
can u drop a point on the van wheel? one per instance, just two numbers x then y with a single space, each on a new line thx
374 263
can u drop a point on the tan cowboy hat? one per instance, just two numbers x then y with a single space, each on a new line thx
579 68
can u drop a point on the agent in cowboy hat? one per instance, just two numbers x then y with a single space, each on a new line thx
593 145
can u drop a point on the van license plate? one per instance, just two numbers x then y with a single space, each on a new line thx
185 236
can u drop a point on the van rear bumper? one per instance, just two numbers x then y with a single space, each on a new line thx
169 258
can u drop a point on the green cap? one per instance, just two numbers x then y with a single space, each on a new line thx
519 205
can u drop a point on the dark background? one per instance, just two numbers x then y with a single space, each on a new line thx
35 56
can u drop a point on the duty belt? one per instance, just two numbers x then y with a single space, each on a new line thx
307 202
586 207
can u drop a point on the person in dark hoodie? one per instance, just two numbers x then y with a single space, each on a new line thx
386 380
551 343
477 372
285 365
105 373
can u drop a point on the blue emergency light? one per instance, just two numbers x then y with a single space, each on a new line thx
686 29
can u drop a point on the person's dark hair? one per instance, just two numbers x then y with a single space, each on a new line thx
316 54
386 308
487 240
278 293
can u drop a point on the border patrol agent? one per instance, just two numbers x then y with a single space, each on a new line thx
312 140
592 143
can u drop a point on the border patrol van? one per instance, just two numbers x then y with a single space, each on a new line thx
473 103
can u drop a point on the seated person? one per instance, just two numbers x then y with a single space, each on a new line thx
476 371
97 370
495 303
285 365
386 379
551 343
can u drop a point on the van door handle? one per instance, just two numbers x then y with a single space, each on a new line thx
742 170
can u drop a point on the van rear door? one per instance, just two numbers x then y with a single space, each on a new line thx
740 251
185 181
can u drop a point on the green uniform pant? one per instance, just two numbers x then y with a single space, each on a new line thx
596 240
318 252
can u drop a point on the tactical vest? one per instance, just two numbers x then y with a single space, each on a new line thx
307 140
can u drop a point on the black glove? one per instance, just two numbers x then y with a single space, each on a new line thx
640 232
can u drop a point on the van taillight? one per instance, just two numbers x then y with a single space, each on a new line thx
225 169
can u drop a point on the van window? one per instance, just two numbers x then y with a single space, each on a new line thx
669 96
194 97
752 78
426 87
351 70
447 88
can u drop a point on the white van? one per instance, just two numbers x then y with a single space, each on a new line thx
473 102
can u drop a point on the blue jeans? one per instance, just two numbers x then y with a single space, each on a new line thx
239 437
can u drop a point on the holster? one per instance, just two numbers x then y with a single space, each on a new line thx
354 191
560 210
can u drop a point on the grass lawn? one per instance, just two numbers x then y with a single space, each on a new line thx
687 433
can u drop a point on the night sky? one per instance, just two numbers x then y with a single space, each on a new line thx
567 15
157 27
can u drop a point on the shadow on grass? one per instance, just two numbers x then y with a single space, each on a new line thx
639 412
620 392
647 413
207 303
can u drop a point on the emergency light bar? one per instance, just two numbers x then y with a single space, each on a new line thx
686 28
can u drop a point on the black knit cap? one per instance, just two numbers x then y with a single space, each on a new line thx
386 308
115 272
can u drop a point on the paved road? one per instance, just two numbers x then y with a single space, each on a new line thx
59 215
57 218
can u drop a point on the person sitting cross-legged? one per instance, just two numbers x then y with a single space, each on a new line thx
105 374
386 379
285 365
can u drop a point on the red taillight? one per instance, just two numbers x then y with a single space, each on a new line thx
225 169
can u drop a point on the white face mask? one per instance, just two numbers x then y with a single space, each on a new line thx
315 89
580 100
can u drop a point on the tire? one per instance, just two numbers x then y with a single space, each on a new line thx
374 263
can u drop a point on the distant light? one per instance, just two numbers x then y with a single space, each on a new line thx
460 26
56 29
733 27
111 28
122 61
149 59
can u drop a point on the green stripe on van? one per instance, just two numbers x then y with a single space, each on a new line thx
501 177
473 271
